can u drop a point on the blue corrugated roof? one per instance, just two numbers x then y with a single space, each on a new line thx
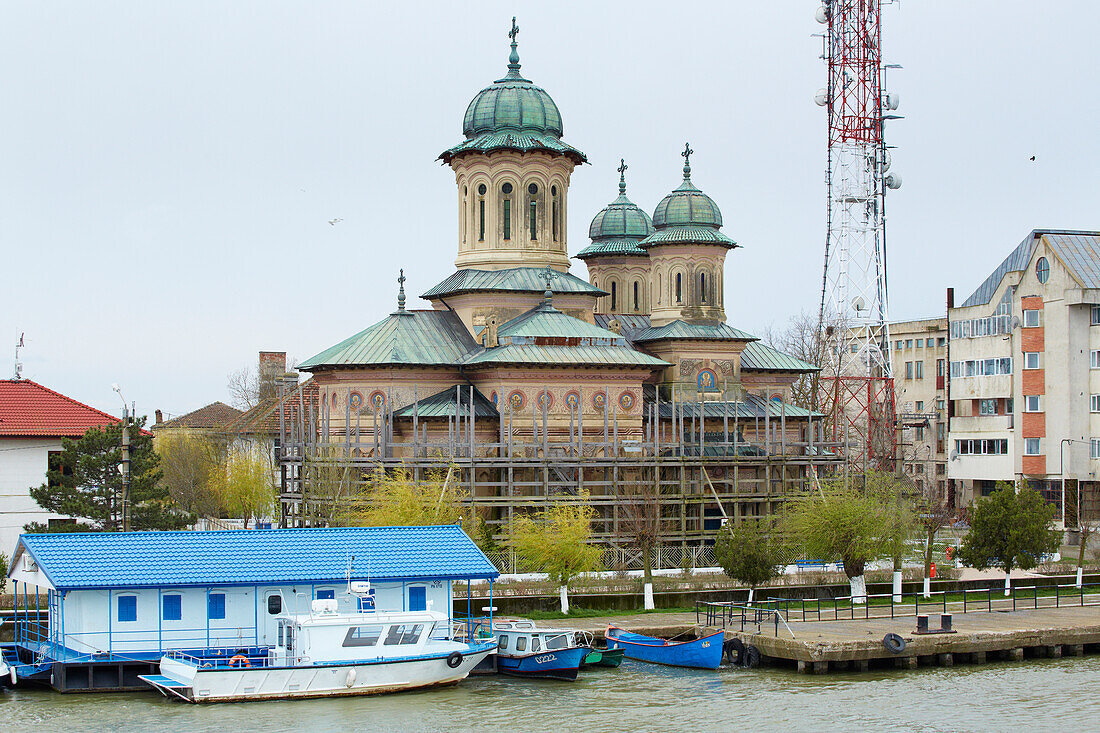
250 557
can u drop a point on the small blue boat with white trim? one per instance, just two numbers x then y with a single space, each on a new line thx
527 650
702 653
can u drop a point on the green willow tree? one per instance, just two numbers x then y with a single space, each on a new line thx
843 522
86 483
557 542
1010 529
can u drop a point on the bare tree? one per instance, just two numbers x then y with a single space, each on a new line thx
642 522
190 463
244 388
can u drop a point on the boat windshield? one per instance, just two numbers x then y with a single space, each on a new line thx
404 634
558 641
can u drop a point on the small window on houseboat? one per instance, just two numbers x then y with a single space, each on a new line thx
503 641
172 607
289 638
363 635
127 608
274 604
521 643
326 594
215 606
536 644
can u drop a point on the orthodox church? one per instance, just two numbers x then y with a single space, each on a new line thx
513 332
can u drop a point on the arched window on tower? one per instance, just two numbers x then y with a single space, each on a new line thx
554 212
613 296
702 287
533 209
679 288
506 189
637 286
481 213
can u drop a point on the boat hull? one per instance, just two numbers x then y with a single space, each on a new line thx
324 680
560 664
603 658
703 653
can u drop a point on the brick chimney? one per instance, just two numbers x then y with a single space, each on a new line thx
159 416
272 364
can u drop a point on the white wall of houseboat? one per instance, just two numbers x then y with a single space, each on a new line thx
90 618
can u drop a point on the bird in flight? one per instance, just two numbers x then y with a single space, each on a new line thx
334 222
1033 159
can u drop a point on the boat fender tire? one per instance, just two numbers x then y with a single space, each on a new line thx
735 651
751 657
893 643
454 659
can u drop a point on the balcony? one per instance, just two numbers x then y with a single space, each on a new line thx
984 424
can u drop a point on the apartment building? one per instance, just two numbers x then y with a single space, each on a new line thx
1024 375
918 361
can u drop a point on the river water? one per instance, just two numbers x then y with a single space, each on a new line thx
1046 695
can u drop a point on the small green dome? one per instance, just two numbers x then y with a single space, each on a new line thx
618 227
687 215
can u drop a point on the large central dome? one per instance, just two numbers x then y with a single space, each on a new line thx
513 114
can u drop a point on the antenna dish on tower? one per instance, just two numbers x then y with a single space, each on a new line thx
821 15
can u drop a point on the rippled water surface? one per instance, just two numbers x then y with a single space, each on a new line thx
1053 694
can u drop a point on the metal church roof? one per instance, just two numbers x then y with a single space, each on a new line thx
515 279
251 557
422 337
449 402
760 357
546 321
565 355
752 406
692 331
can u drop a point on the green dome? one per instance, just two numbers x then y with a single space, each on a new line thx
512 114
512 103
618 227
687 215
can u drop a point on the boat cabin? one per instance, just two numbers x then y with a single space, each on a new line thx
517 638
98 598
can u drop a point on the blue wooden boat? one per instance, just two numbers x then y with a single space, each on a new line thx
526 650
703 653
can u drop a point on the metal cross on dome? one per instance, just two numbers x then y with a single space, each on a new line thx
687 159
401 290
549 291
622 175
515 30
622 166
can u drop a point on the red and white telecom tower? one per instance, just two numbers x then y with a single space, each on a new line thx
856 385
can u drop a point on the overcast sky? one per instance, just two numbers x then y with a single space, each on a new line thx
168 169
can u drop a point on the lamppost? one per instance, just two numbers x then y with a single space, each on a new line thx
125 466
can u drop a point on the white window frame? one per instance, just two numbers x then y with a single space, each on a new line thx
1094 315
1094 359
1094 403
1094 448
918 370
1032 403
1031 359
1032 447
1031 317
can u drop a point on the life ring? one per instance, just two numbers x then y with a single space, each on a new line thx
454 659
239 660
734 650
893 643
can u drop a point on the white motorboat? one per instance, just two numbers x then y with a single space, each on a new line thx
326 653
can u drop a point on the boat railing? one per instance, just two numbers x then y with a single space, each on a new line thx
222 658
728 615
471 630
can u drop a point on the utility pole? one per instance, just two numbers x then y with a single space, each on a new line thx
124 467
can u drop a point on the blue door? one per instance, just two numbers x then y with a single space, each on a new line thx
418 598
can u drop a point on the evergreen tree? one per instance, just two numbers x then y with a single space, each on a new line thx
86 483
1010 529
749 552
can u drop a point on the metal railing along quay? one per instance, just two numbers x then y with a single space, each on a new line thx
886 605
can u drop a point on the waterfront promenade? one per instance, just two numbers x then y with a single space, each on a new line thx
857 643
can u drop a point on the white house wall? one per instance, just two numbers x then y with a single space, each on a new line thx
23 466
91 621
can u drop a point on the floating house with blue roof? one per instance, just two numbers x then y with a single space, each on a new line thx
95 610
